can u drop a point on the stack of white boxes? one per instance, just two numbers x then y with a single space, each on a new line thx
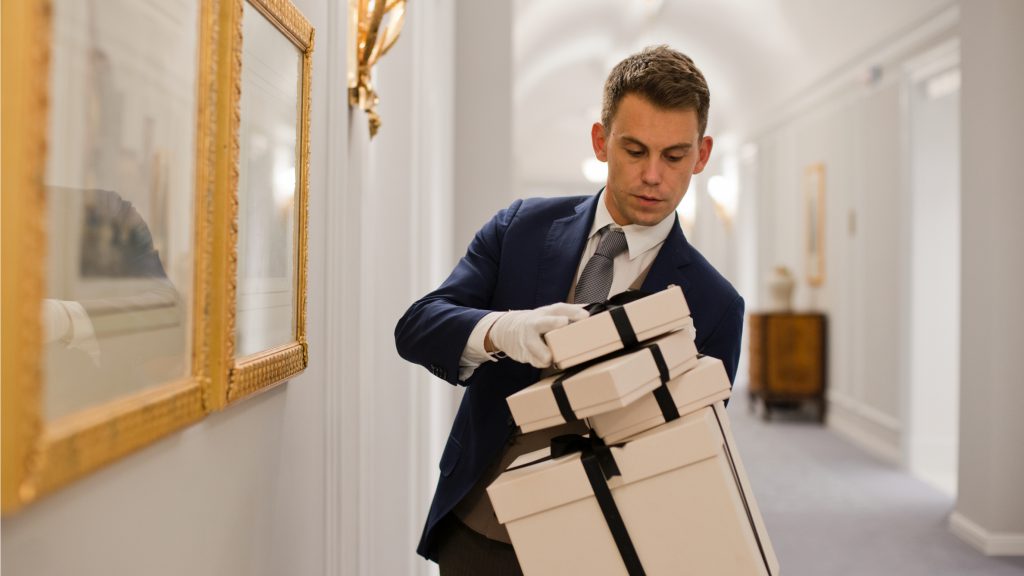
657 487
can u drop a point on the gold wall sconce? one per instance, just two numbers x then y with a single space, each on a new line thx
371 40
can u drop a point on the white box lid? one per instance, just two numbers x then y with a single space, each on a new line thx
701 386
551 483
592 337
605 386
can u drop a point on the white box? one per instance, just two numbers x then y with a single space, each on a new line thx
593 337
701 386
683 497
603 387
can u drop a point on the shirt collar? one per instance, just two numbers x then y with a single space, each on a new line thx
639 239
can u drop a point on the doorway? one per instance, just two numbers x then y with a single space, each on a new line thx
933 402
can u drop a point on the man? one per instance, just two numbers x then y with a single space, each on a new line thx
483 327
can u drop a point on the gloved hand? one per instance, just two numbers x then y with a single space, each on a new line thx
518 333
66 321
56 321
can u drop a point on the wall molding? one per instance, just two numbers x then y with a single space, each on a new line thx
341 485
841 77
985 541
866 427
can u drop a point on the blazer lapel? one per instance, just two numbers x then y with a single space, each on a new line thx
563 247
673 256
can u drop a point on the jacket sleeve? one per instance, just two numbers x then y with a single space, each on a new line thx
724 342
434 330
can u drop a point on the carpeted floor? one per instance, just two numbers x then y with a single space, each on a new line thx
833 510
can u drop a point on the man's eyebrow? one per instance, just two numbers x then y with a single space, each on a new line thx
682 146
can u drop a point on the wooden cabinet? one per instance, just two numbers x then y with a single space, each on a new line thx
787 360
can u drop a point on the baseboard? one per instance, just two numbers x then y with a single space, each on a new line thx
988 543
878 440
865 412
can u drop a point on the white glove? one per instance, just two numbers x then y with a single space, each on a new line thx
67 321
56 321
519 333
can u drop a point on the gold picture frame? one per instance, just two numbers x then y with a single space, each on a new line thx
41 454
238 376
814 231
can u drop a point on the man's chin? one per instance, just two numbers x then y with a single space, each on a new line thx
646 218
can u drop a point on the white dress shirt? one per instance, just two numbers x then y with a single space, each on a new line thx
643 243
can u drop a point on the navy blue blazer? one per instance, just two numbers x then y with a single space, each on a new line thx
526 256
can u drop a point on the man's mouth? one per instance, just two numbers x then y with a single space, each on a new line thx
647 200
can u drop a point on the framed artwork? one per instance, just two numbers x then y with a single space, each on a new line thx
263 189
814 203
108 124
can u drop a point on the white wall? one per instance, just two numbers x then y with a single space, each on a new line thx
403 182
332 472
990 506
855 127
933 302
240 493
484 180
862 132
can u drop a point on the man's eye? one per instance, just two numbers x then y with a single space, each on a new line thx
635 153
673 158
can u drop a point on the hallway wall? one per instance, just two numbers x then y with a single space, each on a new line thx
330 473
990 506
242 491
394 415
854 123
484 178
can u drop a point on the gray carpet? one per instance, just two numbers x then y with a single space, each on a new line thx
833 510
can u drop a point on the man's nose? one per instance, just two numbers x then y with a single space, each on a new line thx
652 172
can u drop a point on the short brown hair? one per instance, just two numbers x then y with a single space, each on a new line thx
664 77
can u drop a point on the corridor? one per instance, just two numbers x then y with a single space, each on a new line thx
215 213
834 510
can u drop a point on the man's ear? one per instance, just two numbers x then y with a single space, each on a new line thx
705 153
600 141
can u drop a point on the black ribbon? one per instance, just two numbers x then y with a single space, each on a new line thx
614 306
561 398
743 494
599 464
668 406
623 327
617 301
662 394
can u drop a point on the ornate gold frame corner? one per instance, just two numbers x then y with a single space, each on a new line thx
39 457
235 379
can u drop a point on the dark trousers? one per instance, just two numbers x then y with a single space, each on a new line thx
462 551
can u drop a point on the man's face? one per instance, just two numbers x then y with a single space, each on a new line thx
651 153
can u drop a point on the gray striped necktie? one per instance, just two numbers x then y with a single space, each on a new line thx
596 279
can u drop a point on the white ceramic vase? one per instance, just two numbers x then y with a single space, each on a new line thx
780 289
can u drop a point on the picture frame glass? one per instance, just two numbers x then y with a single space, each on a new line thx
271 91
119 200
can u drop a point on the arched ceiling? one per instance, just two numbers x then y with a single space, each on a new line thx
756 55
